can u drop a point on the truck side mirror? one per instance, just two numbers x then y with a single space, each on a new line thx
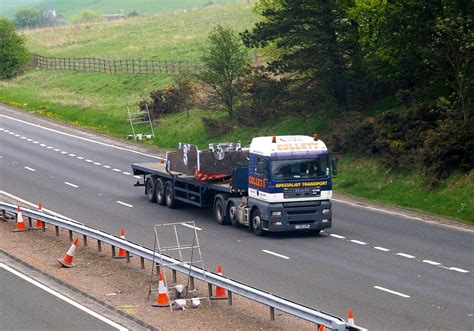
334 165
260 167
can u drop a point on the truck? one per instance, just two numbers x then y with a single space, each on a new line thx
277 184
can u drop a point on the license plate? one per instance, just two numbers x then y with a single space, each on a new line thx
302 226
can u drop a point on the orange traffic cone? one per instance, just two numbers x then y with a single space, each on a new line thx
162 300
321 328
122 253
39 224
20 224
220 292
66 261
350 317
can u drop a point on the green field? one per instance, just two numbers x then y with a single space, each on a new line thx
68 8
98 101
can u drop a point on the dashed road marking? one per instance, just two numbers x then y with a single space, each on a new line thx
383 249
431 262
190 226
30 169
459 270
337 236
73 155
358 242
126 173
116 170
275 254
71 184
408 256
106 166
392 292
125 204
79 158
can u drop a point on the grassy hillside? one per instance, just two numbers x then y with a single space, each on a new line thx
68 8
98 101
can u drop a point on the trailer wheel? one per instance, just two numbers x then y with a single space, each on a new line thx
150 189
232 213
257 226
160 192
169 195
219 212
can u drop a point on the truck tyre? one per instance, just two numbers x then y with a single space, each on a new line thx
219 211
256 224
160 192
169 195
232 213
150 189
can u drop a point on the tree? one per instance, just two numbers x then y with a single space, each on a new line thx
225 61
87 16
314 42
27 18
13 52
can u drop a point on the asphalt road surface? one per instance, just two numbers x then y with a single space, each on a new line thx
394 272
25 306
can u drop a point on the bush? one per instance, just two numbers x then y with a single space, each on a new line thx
86 16
216 127
13 53
27 18
133 14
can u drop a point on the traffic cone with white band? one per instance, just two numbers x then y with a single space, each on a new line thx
162 299
122 253
220 292
66 261
20 224
350 317
39 224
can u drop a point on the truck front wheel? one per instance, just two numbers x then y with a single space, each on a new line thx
257 223
150 189
169 196
232 214
219 211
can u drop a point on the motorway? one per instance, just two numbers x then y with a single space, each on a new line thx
394 272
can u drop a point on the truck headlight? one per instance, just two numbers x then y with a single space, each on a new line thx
276 213
326 211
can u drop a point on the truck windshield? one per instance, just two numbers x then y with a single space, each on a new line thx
300 168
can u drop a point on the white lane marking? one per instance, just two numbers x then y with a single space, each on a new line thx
30 169
408 256
126 173
63 297
337 236
23 137
79 158
57 150
275 254
71 184
89 161
393 292
431 262
82 138
73 155
97 163
10 133
383 249
459 270
49 147
63 152
42 145
107 167
35 142
116 170
29 139
358 242
35 205
124 204
17 135
192 227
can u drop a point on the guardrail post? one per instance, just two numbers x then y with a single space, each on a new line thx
191 283
30 222
157 266
127 253
229 300
209 289
113 250
175 278
70 235
272 314
57 230
142 262
4 215
44 226
85 239
99 245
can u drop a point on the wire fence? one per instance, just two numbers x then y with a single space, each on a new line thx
131 67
